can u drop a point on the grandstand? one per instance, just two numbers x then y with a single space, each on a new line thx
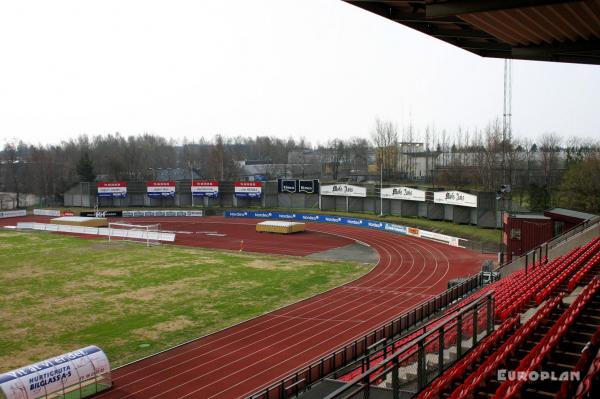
534 333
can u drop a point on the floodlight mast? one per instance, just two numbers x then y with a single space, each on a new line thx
381 190
507 114
192 177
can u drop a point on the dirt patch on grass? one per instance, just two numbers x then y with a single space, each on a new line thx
112 272
278 264
159 291
262 264
242 284
154 332
208 261
23 272
105 245
30 354
90 284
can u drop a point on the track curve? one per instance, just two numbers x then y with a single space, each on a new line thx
242 359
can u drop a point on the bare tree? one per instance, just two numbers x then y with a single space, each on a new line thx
385 138
337 153
358 149
14 168
549 151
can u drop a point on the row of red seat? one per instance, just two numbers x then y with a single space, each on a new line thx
534 358
499 357
512 292
456 372
590 249
460 304
585 386
542 281
506 290
579 275
585 362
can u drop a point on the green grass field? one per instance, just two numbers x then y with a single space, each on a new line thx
59 293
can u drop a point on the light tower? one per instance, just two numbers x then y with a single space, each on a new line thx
504 192
507 115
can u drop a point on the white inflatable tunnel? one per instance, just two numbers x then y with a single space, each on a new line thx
80 374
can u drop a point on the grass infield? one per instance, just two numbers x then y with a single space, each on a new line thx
59 293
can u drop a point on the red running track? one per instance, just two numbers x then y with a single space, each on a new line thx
200 233
240 360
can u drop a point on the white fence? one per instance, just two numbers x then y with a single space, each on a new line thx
46 212
12 214
99 231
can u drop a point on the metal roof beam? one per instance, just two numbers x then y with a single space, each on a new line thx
571 49
436 31
453 8
475 45
396 15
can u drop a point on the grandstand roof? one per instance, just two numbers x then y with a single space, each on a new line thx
528 216
570 213
541 30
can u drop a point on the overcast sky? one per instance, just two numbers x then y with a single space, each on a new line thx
314 68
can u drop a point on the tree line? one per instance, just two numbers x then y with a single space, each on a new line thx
543 172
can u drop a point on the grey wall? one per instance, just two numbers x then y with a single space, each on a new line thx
448 212
462 215
435 211
485 215
409 208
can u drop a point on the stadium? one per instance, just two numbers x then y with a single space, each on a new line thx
302 288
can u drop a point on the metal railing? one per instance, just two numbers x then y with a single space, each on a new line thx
302 379
412 367
572 232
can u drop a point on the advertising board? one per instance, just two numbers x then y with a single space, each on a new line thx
161 189
205 188
112 189
455 198
248 189
403 193
343 190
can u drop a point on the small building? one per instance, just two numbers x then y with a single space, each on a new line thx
564 220
524 231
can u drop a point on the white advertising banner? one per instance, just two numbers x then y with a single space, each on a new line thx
46 212
12 214
455 198
403 193
344 190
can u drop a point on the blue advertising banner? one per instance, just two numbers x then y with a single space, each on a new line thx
371 224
